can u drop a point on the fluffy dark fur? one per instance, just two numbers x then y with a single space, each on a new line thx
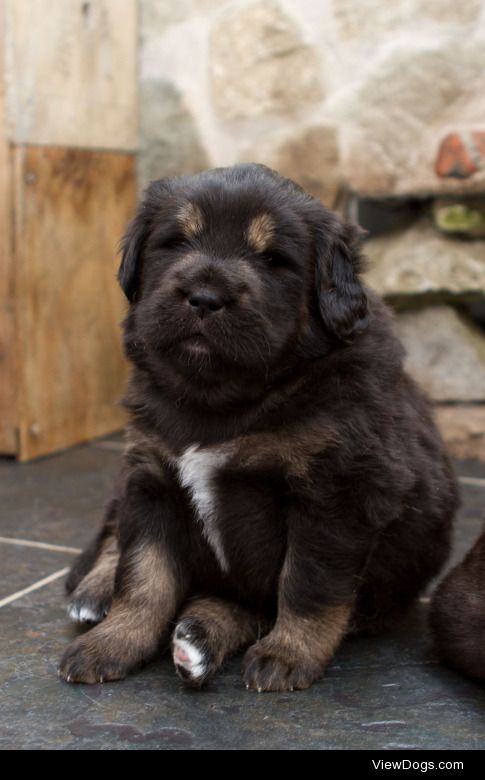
283 482
458 613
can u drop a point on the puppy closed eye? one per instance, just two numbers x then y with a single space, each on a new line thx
174 241
277 259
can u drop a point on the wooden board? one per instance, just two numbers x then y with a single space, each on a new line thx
71 210
72 72
8 412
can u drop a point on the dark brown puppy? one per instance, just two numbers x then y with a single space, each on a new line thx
458 613
283 482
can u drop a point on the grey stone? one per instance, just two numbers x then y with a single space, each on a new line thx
420 261
260 64
445 353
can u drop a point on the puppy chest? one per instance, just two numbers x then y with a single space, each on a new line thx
236 509
198 469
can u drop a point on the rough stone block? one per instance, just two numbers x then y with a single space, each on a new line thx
445 353
421 262
260 64
463 429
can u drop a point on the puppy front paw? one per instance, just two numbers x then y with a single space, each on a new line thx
269 667
90 659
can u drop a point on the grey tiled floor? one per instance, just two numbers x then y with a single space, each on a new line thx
380 693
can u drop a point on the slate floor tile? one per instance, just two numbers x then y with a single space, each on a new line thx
380 693
21 566
59 498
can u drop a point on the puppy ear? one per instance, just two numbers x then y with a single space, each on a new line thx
341 297
132 245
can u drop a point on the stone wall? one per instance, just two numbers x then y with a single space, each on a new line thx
354 91
385 101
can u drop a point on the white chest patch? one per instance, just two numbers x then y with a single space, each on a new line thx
197 468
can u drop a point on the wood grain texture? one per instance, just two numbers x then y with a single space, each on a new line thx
72 68
8 411
71 209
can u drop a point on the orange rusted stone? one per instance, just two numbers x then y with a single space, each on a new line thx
459 156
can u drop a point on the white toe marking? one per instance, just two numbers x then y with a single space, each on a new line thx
197 468
195 664
73 613
82 614
87 615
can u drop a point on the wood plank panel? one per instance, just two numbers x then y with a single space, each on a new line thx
72 68
72 208
8 410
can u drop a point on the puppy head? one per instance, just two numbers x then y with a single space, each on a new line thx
230 270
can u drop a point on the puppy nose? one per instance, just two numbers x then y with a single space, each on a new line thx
205 301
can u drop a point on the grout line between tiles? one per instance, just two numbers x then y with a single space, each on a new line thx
40 584
39 545
472 481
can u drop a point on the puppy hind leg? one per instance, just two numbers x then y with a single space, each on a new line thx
209 630
407 557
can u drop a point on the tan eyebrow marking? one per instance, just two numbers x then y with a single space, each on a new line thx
191 219
260 232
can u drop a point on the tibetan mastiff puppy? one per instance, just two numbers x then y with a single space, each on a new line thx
283 483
